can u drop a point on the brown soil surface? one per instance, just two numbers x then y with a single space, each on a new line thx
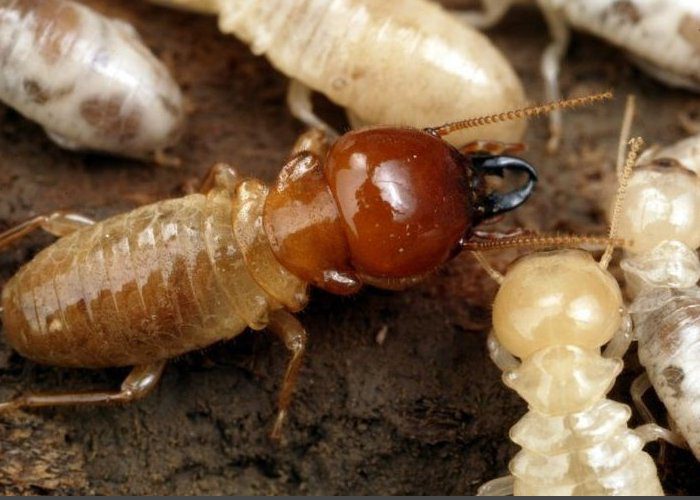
424 412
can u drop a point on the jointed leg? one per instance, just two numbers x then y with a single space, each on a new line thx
493 11
287 327
220 175
139 383
618 345
498 487
639 387
652 432
550 66
299 102
58 223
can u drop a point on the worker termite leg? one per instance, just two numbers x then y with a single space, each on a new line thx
639 387
138 384
57 223
652 432
493 147
499 487
290 330
499 355
618 345
550 66
299 102
220 175
493 11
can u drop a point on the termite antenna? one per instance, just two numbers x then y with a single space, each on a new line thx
535 240
635 145
490 270
517 114
625 134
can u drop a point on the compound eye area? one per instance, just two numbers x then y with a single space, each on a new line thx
403 197
556 298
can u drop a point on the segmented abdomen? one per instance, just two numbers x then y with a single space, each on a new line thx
669 349
575 442
436 68
150 284
88 80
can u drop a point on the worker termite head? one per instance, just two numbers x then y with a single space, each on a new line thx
561 297
663 203
388 205
577 303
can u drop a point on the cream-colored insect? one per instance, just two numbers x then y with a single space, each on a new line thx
87 79
661 36
554 310
661 220
387 62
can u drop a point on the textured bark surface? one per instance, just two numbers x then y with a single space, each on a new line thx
421 412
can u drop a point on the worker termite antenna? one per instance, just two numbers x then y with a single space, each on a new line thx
517 114
635 145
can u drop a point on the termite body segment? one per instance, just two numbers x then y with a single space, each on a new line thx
88 80
400 63
661 220
383 206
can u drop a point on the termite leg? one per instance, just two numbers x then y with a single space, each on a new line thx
550 66
499 355
493 147
493 11
299 102
220 175
290 330
639 387
138 384
499 487
618 345
652 432
58 223
314 141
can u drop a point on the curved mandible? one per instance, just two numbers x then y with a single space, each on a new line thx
498 203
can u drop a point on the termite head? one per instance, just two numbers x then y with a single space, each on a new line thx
387 205
662 203
561 297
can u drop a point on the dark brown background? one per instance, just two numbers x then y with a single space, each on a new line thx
423 413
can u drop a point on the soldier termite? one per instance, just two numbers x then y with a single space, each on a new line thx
382 206
554 310
661 220
661 36
400 63
88 80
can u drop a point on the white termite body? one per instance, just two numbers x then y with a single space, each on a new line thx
661 219
554 310
88 80
400 63
661 36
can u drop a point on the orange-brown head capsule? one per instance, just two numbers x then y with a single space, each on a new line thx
386 204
